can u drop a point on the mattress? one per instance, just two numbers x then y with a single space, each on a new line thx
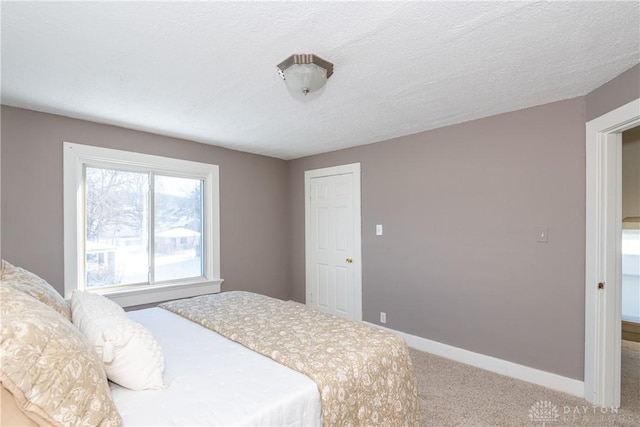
211 380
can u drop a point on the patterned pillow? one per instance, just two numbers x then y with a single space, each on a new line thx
27 282
132 357
52 372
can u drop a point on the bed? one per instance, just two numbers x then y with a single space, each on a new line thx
234 358
202 367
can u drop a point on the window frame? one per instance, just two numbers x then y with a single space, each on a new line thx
75 158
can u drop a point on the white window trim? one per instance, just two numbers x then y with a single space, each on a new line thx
75 157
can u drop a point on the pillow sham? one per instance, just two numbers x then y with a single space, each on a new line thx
48 366
38 288
131 355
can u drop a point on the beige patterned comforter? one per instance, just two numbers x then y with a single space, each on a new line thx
364 375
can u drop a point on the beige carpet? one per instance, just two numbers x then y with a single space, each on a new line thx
454 394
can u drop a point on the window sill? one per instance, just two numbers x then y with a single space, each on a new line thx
140 296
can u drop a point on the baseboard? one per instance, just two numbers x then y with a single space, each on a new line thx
631 330
493 364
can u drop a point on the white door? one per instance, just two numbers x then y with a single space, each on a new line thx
333 241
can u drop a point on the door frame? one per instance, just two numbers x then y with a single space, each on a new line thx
354 169
603 253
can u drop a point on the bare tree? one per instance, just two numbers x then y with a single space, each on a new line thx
115 202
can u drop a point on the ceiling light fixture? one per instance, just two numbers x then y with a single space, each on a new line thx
305 73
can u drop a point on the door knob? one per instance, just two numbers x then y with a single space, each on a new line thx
349 260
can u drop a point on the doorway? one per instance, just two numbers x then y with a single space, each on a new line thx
630 290
631 234
333 259
603 253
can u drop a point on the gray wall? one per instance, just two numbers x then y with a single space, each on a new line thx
253 197
613 94
461 206
631 172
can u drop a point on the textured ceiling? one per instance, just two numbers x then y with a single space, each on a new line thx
206 71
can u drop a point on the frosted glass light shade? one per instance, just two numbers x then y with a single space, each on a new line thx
305 78
305 73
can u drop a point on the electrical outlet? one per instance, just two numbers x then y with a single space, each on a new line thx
383 317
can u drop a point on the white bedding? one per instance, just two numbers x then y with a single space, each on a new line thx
214 381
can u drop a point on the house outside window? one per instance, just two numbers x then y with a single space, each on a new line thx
139 228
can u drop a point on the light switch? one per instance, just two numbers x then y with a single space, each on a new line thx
543 235
379 230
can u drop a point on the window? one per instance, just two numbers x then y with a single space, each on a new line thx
139 228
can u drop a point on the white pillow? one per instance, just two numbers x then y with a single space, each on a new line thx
131 355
